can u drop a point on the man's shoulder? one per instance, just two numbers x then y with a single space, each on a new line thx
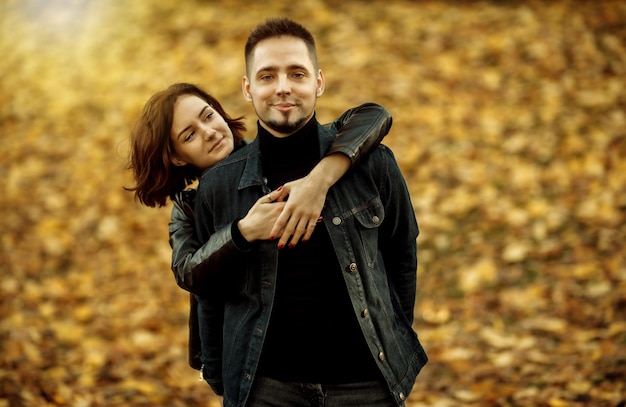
381 152
226 171
380 160
238 157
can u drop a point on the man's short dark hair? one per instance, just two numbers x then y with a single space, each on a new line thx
278 27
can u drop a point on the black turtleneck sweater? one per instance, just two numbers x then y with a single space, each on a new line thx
313 335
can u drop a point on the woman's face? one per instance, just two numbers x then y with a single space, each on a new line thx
201 137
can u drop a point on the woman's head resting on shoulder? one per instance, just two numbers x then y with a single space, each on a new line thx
181 132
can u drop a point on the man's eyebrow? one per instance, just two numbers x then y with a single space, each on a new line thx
187 128
296 66
266 69
273 68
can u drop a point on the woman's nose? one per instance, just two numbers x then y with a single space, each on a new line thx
209 133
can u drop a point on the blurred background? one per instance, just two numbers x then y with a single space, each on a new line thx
509 126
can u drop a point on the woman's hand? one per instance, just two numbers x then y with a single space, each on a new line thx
307 195
258 222
301 212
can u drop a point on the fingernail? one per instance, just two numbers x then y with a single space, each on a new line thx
291 245
280 246
305 240
279 188
321 218
272 237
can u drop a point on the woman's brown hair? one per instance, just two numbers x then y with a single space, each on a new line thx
151 148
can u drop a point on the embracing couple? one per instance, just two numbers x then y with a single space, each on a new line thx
298 248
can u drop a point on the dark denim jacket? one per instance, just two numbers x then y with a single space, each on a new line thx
372 225
359 131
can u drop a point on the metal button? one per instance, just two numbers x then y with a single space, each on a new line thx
366 313
402 396
376 219
353 267
336 220
381 356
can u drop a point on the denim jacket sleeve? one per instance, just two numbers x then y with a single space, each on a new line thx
399 247
360 130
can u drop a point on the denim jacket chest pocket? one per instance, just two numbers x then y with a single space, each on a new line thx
368 219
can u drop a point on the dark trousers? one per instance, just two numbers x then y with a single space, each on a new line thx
268 392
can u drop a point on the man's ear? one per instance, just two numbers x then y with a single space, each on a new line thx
178 162
321 83
245 88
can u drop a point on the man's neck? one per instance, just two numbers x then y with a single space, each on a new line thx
289 158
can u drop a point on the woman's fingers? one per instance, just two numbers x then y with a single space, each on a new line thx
300 214
281 193
298 230
258 222
306 228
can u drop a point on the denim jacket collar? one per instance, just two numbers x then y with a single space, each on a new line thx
252 173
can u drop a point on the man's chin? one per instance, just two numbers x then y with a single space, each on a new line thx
284 127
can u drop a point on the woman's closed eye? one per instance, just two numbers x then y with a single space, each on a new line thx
189 136
205 118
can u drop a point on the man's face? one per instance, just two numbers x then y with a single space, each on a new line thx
283 85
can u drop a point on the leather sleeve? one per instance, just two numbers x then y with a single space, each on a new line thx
194 265
183 239
194 343
360 130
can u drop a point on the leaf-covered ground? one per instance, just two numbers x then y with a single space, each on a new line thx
509 125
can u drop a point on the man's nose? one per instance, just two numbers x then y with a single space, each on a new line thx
283 86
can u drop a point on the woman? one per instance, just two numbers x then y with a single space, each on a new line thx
183 131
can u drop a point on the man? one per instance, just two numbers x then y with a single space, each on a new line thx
327 322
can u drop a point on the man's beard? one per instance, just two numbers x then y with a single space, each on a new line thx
286 127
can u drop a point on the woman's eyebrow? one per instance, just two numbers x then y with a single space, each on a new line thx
203 109
187 128
182 131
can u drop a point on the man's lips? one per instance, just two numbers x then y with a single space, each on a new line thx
284 107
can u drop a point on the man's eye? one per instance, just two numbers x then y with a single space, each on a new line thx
266 77
299 75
